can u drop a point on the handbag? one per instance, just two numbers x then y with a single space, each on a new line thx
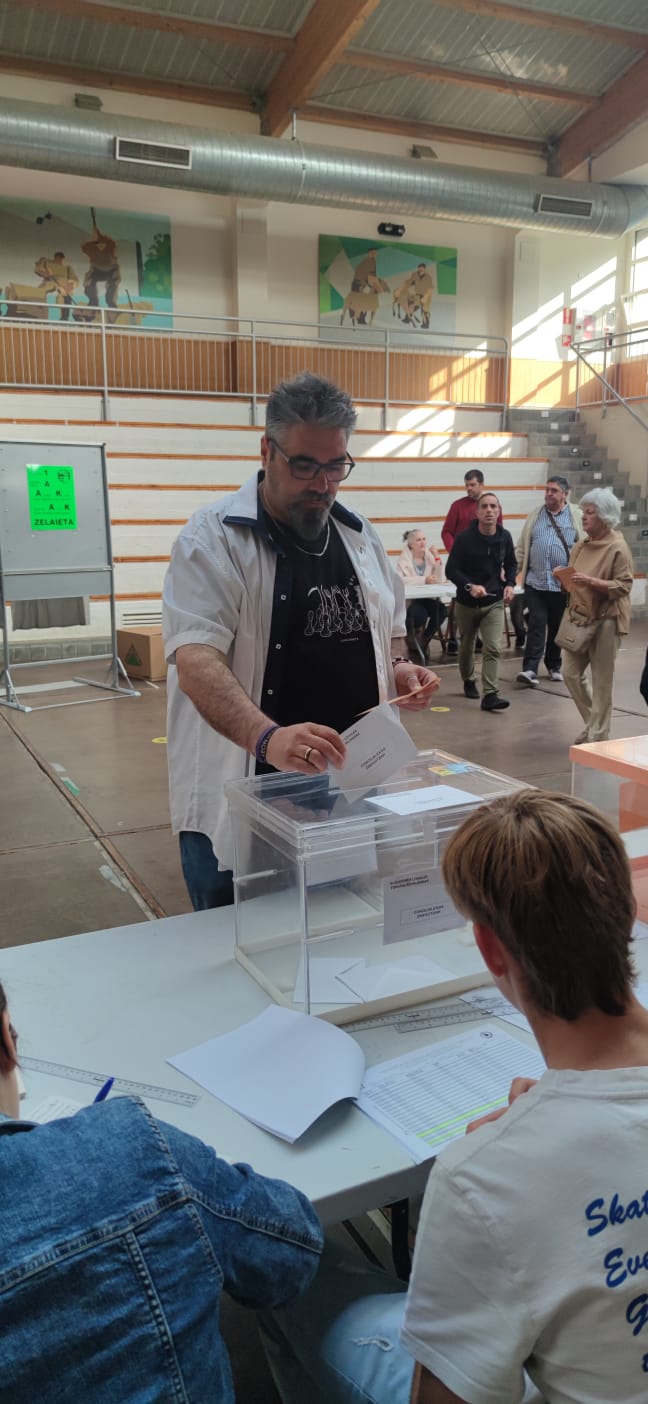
575 633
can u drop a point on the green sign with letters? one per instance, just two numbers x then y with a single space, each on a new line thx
52 499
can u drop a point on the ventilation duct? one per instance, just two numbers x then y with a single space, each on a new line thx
149 153
264 168
558 204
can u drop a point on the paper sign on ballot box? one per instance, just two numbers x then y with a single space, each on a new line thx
417 904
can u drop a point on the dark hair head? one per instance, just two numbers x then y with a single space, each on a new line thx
308 399
474 473
550 876
59 253
3 1006
561 482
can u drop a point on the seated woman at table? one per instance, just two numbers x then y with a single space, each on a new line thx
599 593
418 562
119 1235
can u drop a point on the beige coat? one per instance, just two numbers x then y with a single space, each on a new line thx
608 559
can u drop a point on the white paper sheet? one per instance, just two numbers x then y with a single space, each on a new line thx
416 904
52 1109
325 986
426 798
280 1070
426 1098
377 746
640 931
379 981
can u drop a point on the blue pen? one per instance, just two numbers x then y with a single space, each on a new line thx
103 1091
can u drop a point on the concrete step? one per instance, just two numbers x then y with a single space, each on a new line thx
535 416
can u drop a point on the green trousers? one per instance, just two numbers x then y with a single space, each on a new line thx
488 621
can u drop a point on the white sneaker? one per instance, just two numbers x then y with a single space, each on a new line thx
554 675
527 678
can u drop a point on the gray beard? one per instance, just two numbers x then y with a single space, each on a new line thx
308 523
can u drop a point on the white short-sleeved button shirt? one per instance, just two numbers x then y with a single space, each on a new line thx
220 591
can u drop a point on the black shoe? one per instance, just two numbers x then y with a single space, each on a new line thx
520 642
471 689
492 702
452 646
478 646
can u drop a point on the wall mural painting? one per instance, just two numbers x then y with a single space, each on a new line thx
61 262
364 282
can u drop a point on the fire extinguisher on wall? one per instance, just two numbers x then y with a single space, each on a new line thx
568 320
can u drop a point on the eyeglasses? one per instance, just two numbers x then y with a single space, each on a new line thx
308 468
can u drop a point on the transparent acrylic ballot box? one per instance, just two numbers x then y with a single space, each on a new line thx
613 775
340 907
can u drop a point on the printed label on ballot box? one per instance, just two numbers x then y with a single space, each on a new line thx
417 904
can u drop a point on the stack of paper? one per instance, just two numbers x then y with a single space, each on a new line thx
281 1070
426 1098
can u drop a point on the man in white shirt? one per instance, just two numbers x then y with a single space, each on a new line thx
283 620
531 1262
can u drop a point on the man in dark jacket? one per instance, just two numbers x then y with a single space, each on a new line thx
482 565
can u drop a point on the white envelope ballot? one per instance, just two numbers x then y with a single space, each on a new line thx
377 746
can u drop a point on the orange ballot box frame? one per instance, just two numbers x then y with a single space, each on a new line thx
614 776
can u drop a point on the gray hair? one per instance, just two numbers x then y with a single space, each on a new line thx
412 531
606 504
560 481
488 492
309 399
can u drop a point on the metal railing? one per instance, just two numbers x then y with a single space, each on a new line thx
106 350
614 363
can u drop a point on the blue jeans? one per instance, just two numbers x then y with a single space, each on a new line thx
208 885
339 1343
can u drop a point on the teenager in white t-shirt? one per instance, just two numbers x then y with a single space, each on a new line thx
531 1263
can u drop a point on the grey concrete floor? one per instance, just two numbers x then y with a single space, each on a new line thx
85 840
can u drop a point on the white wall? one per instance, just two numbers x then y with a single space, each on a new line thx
483 269
223 248
210 275
624 439
552 271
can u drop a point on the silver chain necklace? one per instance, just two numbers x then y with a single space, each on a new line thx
324 548
303 550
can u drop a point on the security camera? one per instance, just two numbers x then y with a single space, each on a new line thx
393 231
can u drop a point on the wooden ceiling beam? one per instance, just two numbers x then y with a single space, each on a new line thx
124 83
536 18
502 83
326 32
165 23
422 131
623 105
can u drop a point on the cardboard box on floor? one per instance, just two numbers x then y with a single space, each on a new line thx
142 652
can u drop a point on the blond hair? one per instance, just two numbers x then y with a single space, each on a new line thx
550 876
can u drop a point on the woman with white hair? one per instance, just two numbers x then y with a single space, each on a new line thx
418 562
599 596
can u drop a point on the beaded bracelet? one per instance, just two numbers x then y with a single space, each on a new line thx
261 748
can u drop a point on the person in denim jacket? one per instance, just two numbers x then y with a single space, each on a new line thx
119 1235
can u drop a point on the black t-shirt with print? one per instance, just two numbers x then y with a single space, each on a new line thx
330 670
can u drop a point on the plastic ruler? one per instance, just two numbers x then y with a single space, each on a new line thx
427 1017
121 1084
